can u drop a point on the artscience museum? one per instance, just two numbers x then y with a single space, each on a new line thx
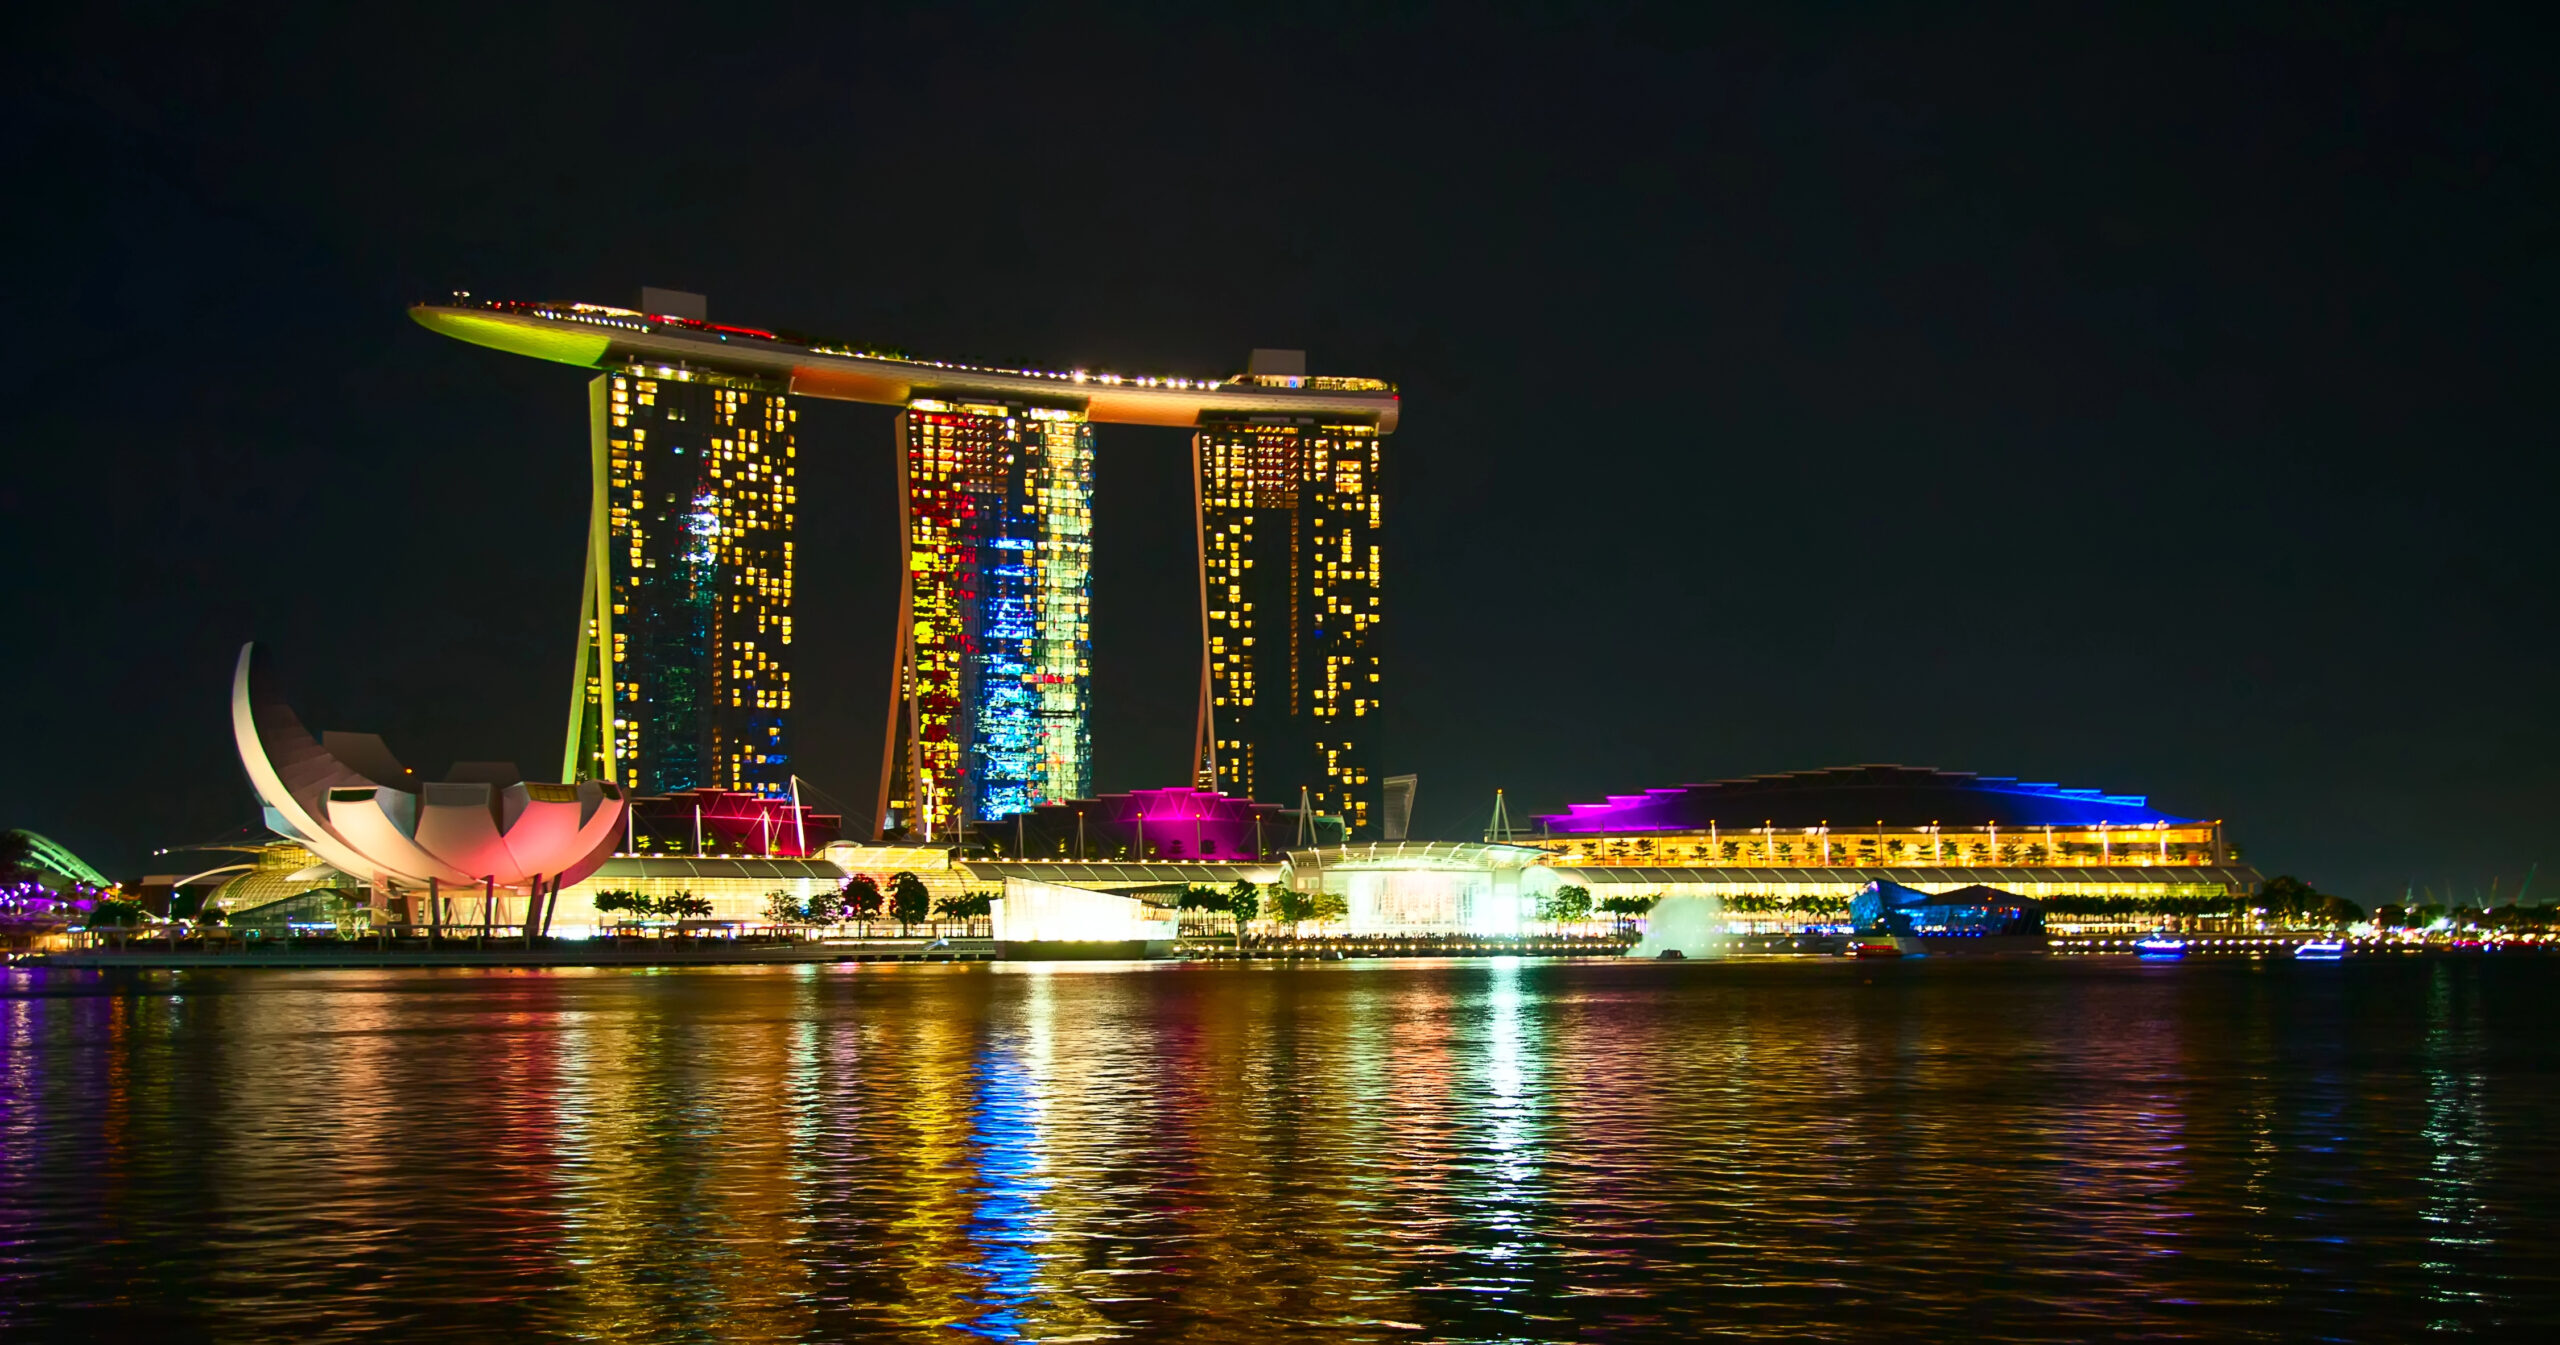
480 847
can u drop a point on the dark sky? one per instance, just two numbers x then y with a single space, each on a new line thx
2145 400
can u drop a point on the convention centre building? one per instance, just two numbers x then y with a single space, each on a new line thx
1779 848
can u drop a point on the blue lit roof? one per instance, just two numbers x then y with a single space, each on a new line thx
1857 796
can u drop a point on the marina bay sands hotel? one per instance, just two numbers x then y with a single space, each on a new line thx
685 659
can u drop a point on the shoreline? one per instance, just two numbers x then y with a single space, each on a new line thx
725 952
567 954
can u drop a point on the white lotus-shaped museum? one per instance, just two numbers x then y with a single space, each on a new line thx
365 814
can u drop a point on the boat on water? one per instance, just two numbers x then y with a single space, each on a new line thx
2321 950
1874 948
2160 948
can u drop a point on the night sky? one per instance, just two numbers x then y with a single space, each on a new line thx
2141 400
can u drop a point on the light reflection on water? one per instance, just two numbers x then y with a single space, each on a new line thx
2461 1222
1491 1150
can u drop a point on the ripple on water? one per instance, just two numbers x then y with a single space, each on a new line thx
1487 1151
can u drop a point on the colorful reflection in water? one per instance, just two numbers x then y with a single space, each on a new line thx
1489 1150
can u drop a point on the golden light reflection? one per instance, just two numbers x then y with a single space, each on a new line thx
677 1162
1483 1149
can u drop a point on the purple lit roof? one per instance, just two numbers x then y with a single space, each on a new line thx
1182 803
1175 821
1855 796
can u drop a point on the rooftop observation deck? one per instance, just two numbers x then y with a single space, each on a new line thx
595 336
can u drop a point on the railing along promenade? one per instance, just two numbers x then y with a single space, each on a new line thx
1331 947
512 951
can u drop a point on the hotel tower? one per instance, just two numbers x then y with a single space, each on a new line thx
991 689
684 668
683 676
1290 605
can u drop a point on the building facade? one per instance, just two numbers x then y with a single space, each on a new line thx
1870 816
684 678
685 629
991 689
1783 851
725 823
1174 824
1290 606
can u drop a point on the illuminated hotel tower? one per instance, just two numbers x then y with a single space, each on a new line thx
684 660
1289 589
991 689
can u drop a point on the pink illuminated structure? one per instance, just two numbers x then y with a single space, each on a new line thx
363 813
1172 823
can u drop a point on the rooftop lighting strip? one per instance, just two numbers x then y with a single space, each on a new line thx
634 321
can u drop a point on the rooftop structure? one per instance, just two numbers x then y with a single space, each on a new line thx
1900 796
725 823
50 863
1113 877
1798 846
242 875
600 336
1172 825
1868 816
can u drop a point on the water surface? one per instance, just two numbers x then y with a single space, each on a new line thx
1499 1150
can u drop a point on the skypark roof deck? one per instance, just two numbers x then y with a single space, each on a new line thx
596 336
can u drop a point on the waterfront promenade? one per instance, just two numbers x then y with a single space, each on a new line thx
316 954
